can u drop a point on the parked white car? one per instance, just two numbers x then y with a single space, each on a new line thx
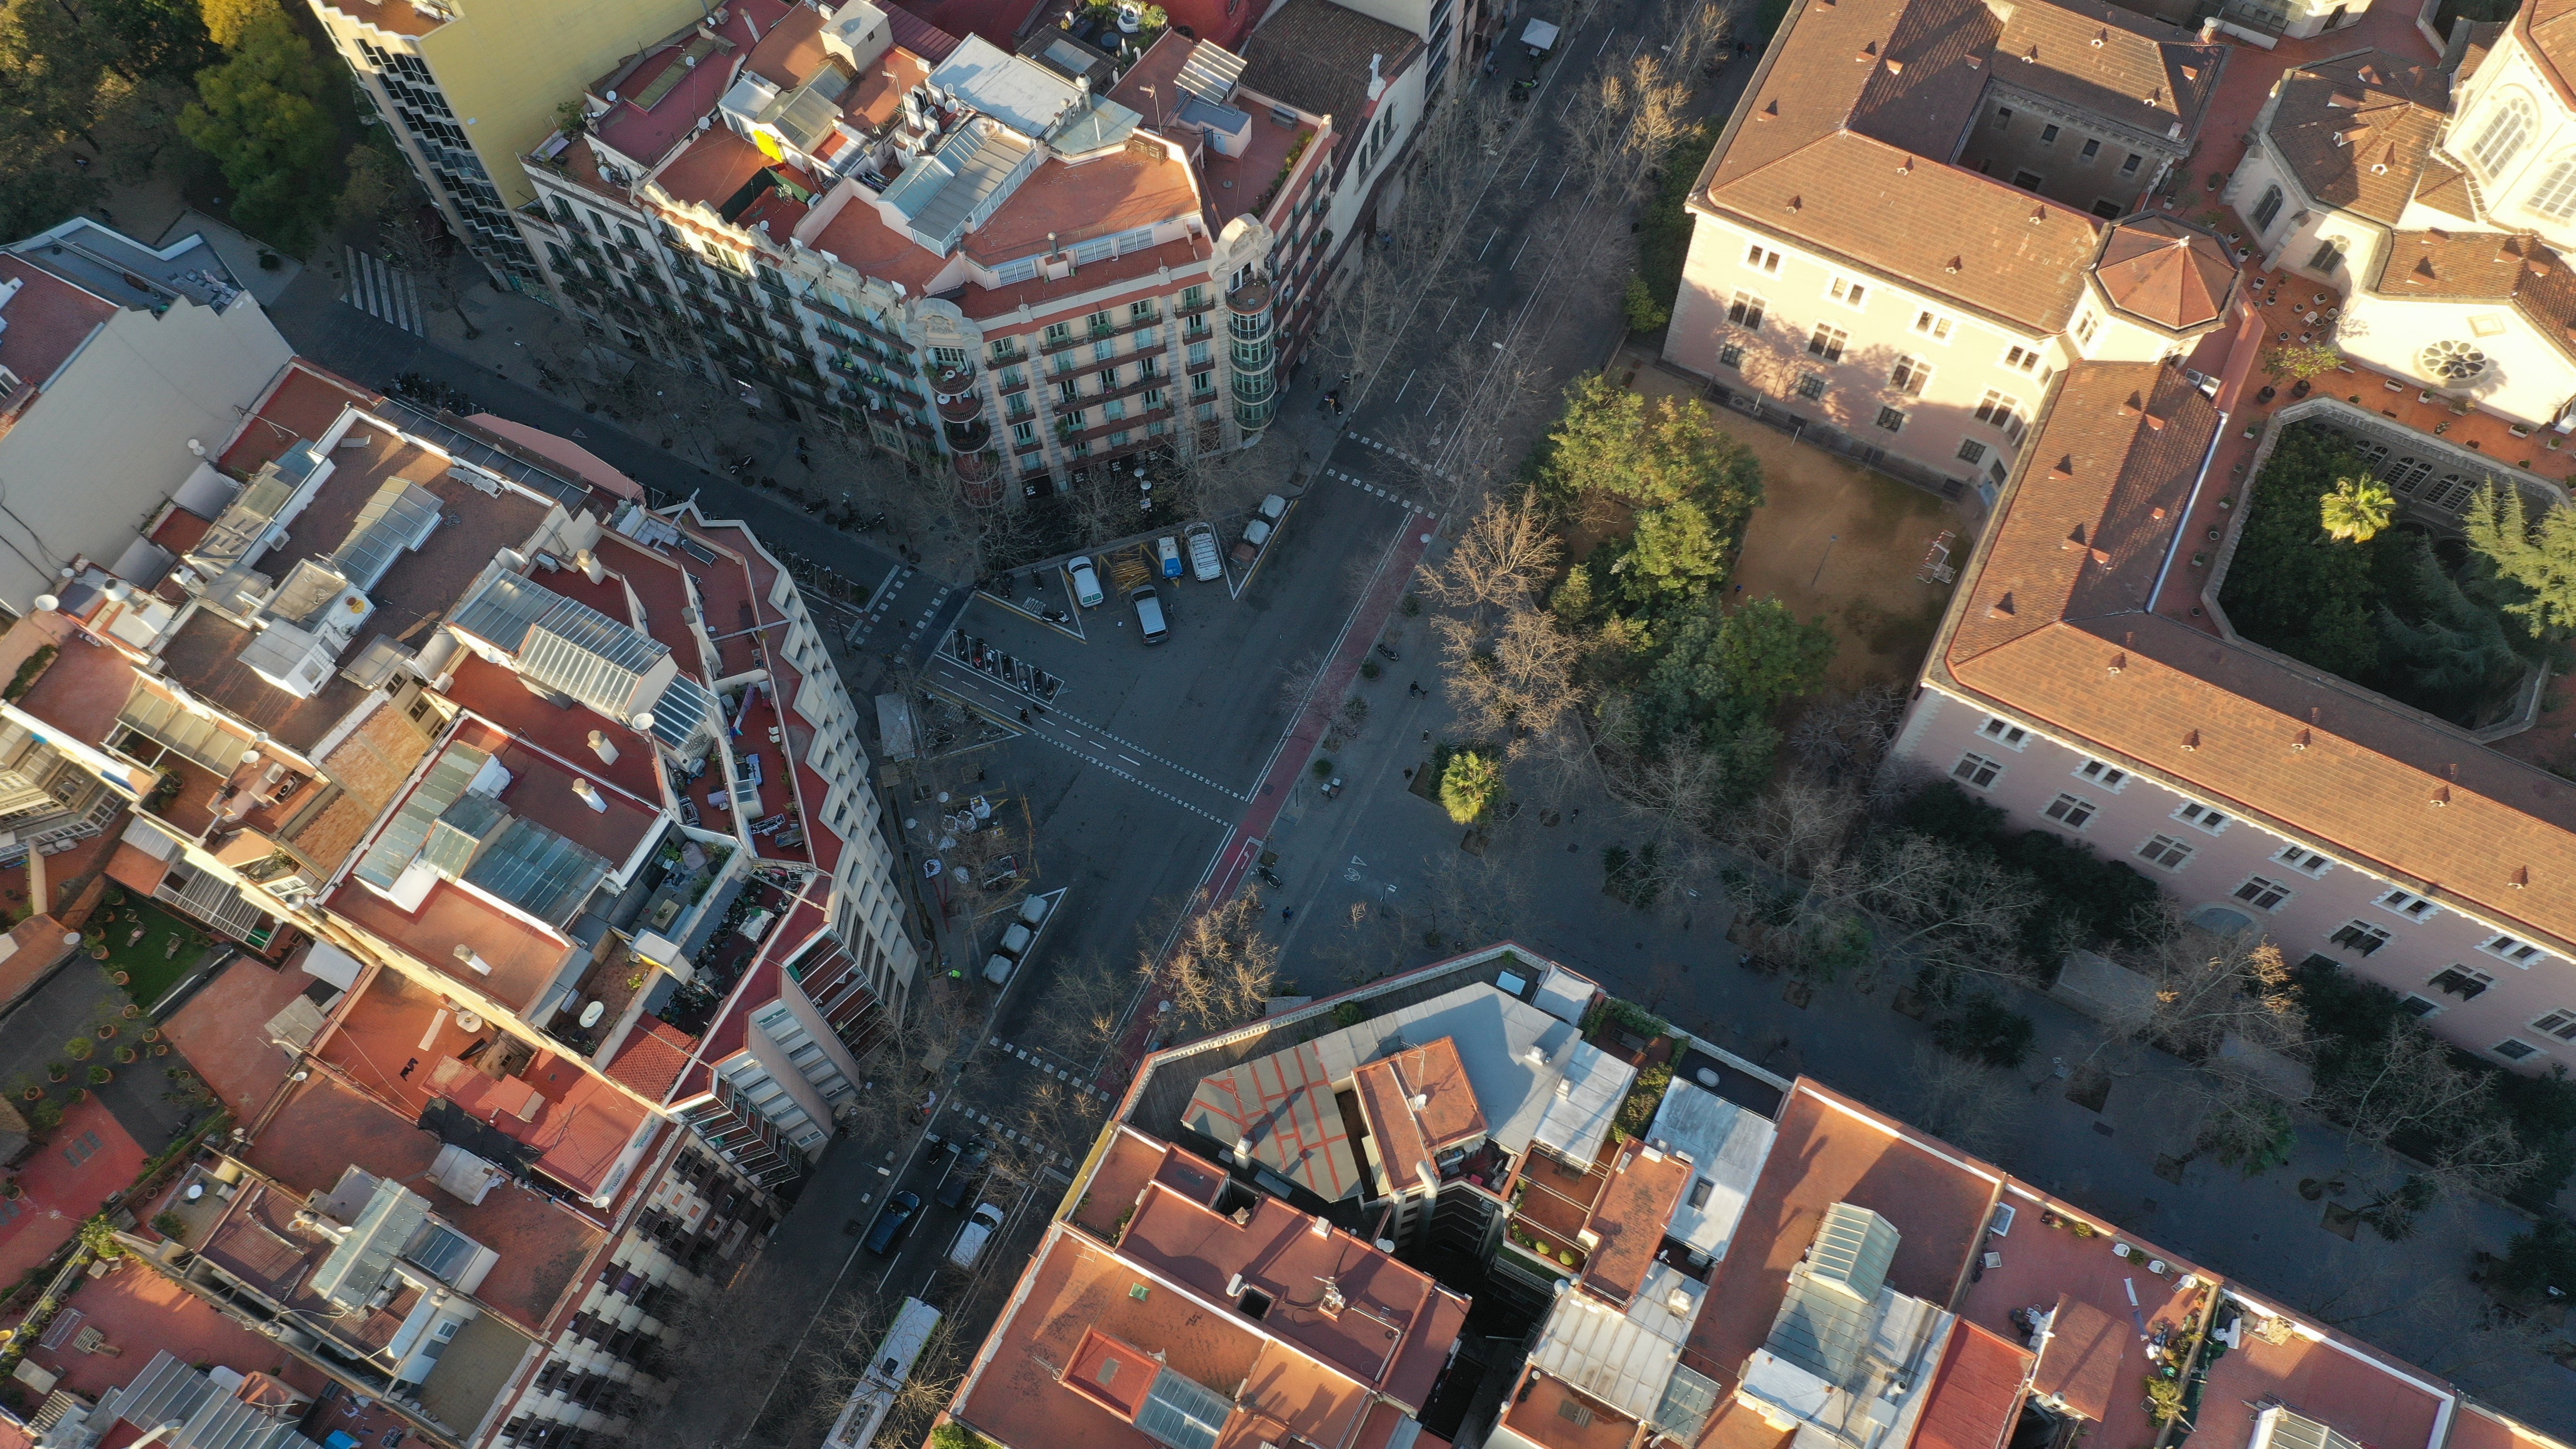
1086 583
1203 560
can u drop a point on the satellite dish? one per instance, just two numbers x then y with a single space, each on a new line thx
643 720
47 603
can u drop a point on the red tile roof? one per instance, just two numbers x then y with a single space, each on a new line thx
1140 185
652 1057
1976 1394
2168 272
48 320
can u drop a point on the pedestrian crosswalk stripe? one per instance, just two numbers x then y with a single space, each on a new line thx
381 291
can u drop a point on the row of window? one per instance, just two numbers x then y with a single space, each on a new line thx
2171 853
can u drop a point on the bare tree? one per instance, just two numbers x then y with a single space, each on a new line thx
1953 909
2419 1092
1511 684
1498 559
1220 970
1965 1101
2244 1121
1798 825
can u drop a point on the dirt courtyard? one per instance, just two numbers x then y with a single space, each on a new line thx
1834 539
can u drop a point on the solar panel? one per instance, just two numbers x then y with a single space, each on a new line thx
1182 1412
441 1250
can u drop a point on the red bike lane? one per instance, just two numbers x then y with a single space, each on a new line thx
1234 860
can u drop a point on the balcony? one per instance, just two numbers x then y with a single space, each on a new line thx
1193 309
966 436
1250 299
959 407
948 379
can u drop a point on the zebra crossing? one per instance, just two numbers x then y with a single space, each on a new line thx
1365 486
1036 1057
380 290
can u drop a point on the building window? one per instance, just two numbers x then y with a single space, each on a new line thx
2085 327
2004 732
2303 860
2130 166
2200 815
1849 292
1745 310
2003 118
2048 135
1024 434
1933 325
1762 259
2070 811
2410 905
1971 451
2109 777
2328 258
2267 210
2419 1007
1977 770
2092 148
2360 937
2461 982
2520 953
2165 851
2514 1051
2001 410
1891 419
2500 140
1730 354
2560 1024
1828 342
2021 359
1909 375
1812 386
2261 894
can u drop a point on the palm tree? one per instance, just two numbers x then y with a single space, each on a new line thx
2357 509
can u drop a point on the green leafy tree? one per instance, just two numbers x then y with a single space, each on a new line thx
2448 653
1720 671
1613 442
261 116
2537 561
2287 587
1643 311
229 22
1471 786
2357 509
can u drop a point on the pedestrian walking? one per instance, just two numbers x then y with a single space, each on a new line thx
1024 716
1287 913
1426 737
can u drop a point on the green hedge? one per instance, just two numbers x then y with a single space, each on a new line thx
2088 901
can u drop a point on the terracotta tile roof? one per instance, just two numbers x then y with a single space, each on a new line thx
34 947
1315 55
1842 139
2166 271
1140 185
1278 1250
2053 622
2447 189
2548 28
2084 537
369 767
652 1057
1629 1220
878 93
2486 266
1554 1414
2358 130
1976 1394
709 170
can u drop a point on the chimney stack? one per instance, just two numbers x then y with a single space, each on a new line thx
604 747
589 794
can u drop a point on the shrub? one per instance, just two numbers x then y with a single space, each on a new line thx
80 1048
99 1236
1638 305
1638 1112
2540 1261
169 1224
1349 1014
957 1436
1471 786
101 1075
25 678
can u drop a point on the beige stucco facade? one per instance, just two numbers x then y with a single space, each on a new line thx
98 454
468 86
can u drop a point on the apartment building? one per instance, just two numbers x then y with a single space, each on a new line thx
1766 1260
1924 210
574 772
466 87
95 326
985 262
1371 80
2439 200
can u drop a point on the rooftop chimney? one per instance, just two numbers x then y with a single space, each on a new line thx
604 747
1377 83
589 794
470 957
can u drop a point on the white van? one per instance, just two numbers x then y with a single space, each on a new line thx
1149 613
971 1238
997 968
1086 584
1033 912
1015 940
